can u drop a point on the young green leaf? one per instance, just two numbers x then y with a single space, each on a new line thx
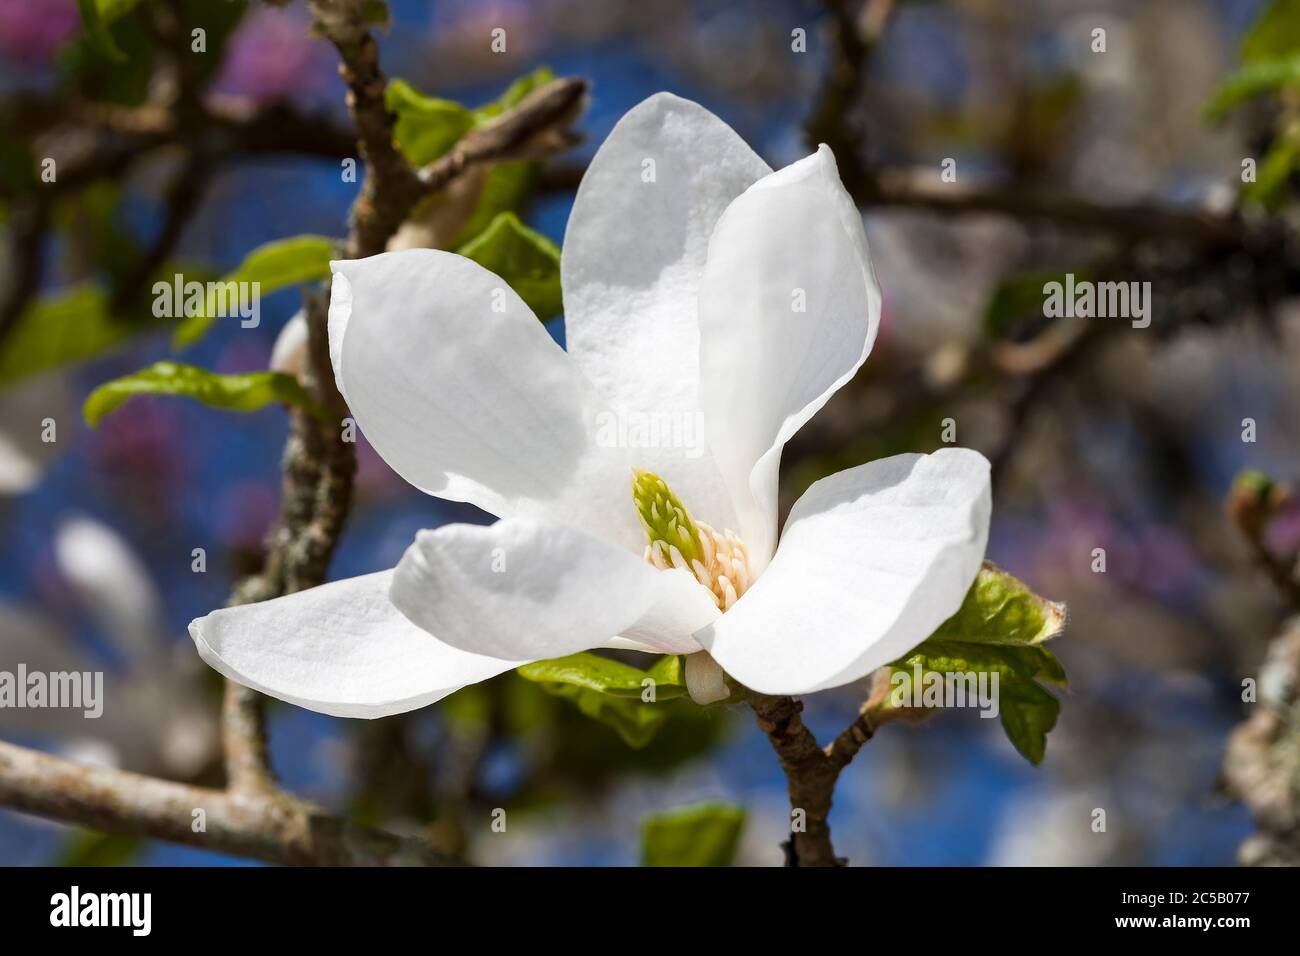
706 834
507 184
505 188
1001 609
273 266
96 15
1019 297
612 692
1000 628
524 258
1275 34
426 127
513 95
1251 80
65 327
1270 189
611 677
244 392
97 74
89 848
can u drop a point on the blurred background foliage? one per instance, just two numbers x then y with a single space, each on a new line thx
1117 165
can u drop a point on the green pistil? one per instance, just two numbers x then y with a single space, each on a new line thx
664 517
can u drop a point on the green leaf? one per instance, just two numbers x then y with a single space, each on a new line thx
243 392
514 95
609 676
89 69
611 692
1251 80
1001 609
1274 34
112 10
706 834
90 848
504 190
1028 713
91 221
426 127
524 258
95 17
1272 182
273 266
1019 297
59 329
1000 628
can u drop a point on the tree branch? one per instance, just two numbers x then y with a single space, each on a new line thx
810 777
390 188
922 189
273 827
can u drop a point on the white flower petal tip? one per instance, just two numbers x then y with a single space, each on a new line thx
635 247
871 561
789 310
340 649
529 589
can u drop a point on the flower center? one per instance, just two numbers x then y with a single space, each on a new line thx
718 560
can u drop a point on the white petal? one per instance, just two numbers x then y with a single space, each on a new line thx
463 392
529 589
634 250
289 354
340 649
871 561
793 240
113 583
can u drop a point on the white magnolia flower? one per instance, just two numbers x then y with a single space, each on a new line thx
157 721
289 353
712 306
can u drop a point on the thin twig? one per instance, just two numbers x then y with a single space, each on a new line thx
184 195
536 126
923 189
850 740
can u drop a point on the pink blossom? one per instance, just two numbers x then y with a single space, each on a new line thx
271 57
31 30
